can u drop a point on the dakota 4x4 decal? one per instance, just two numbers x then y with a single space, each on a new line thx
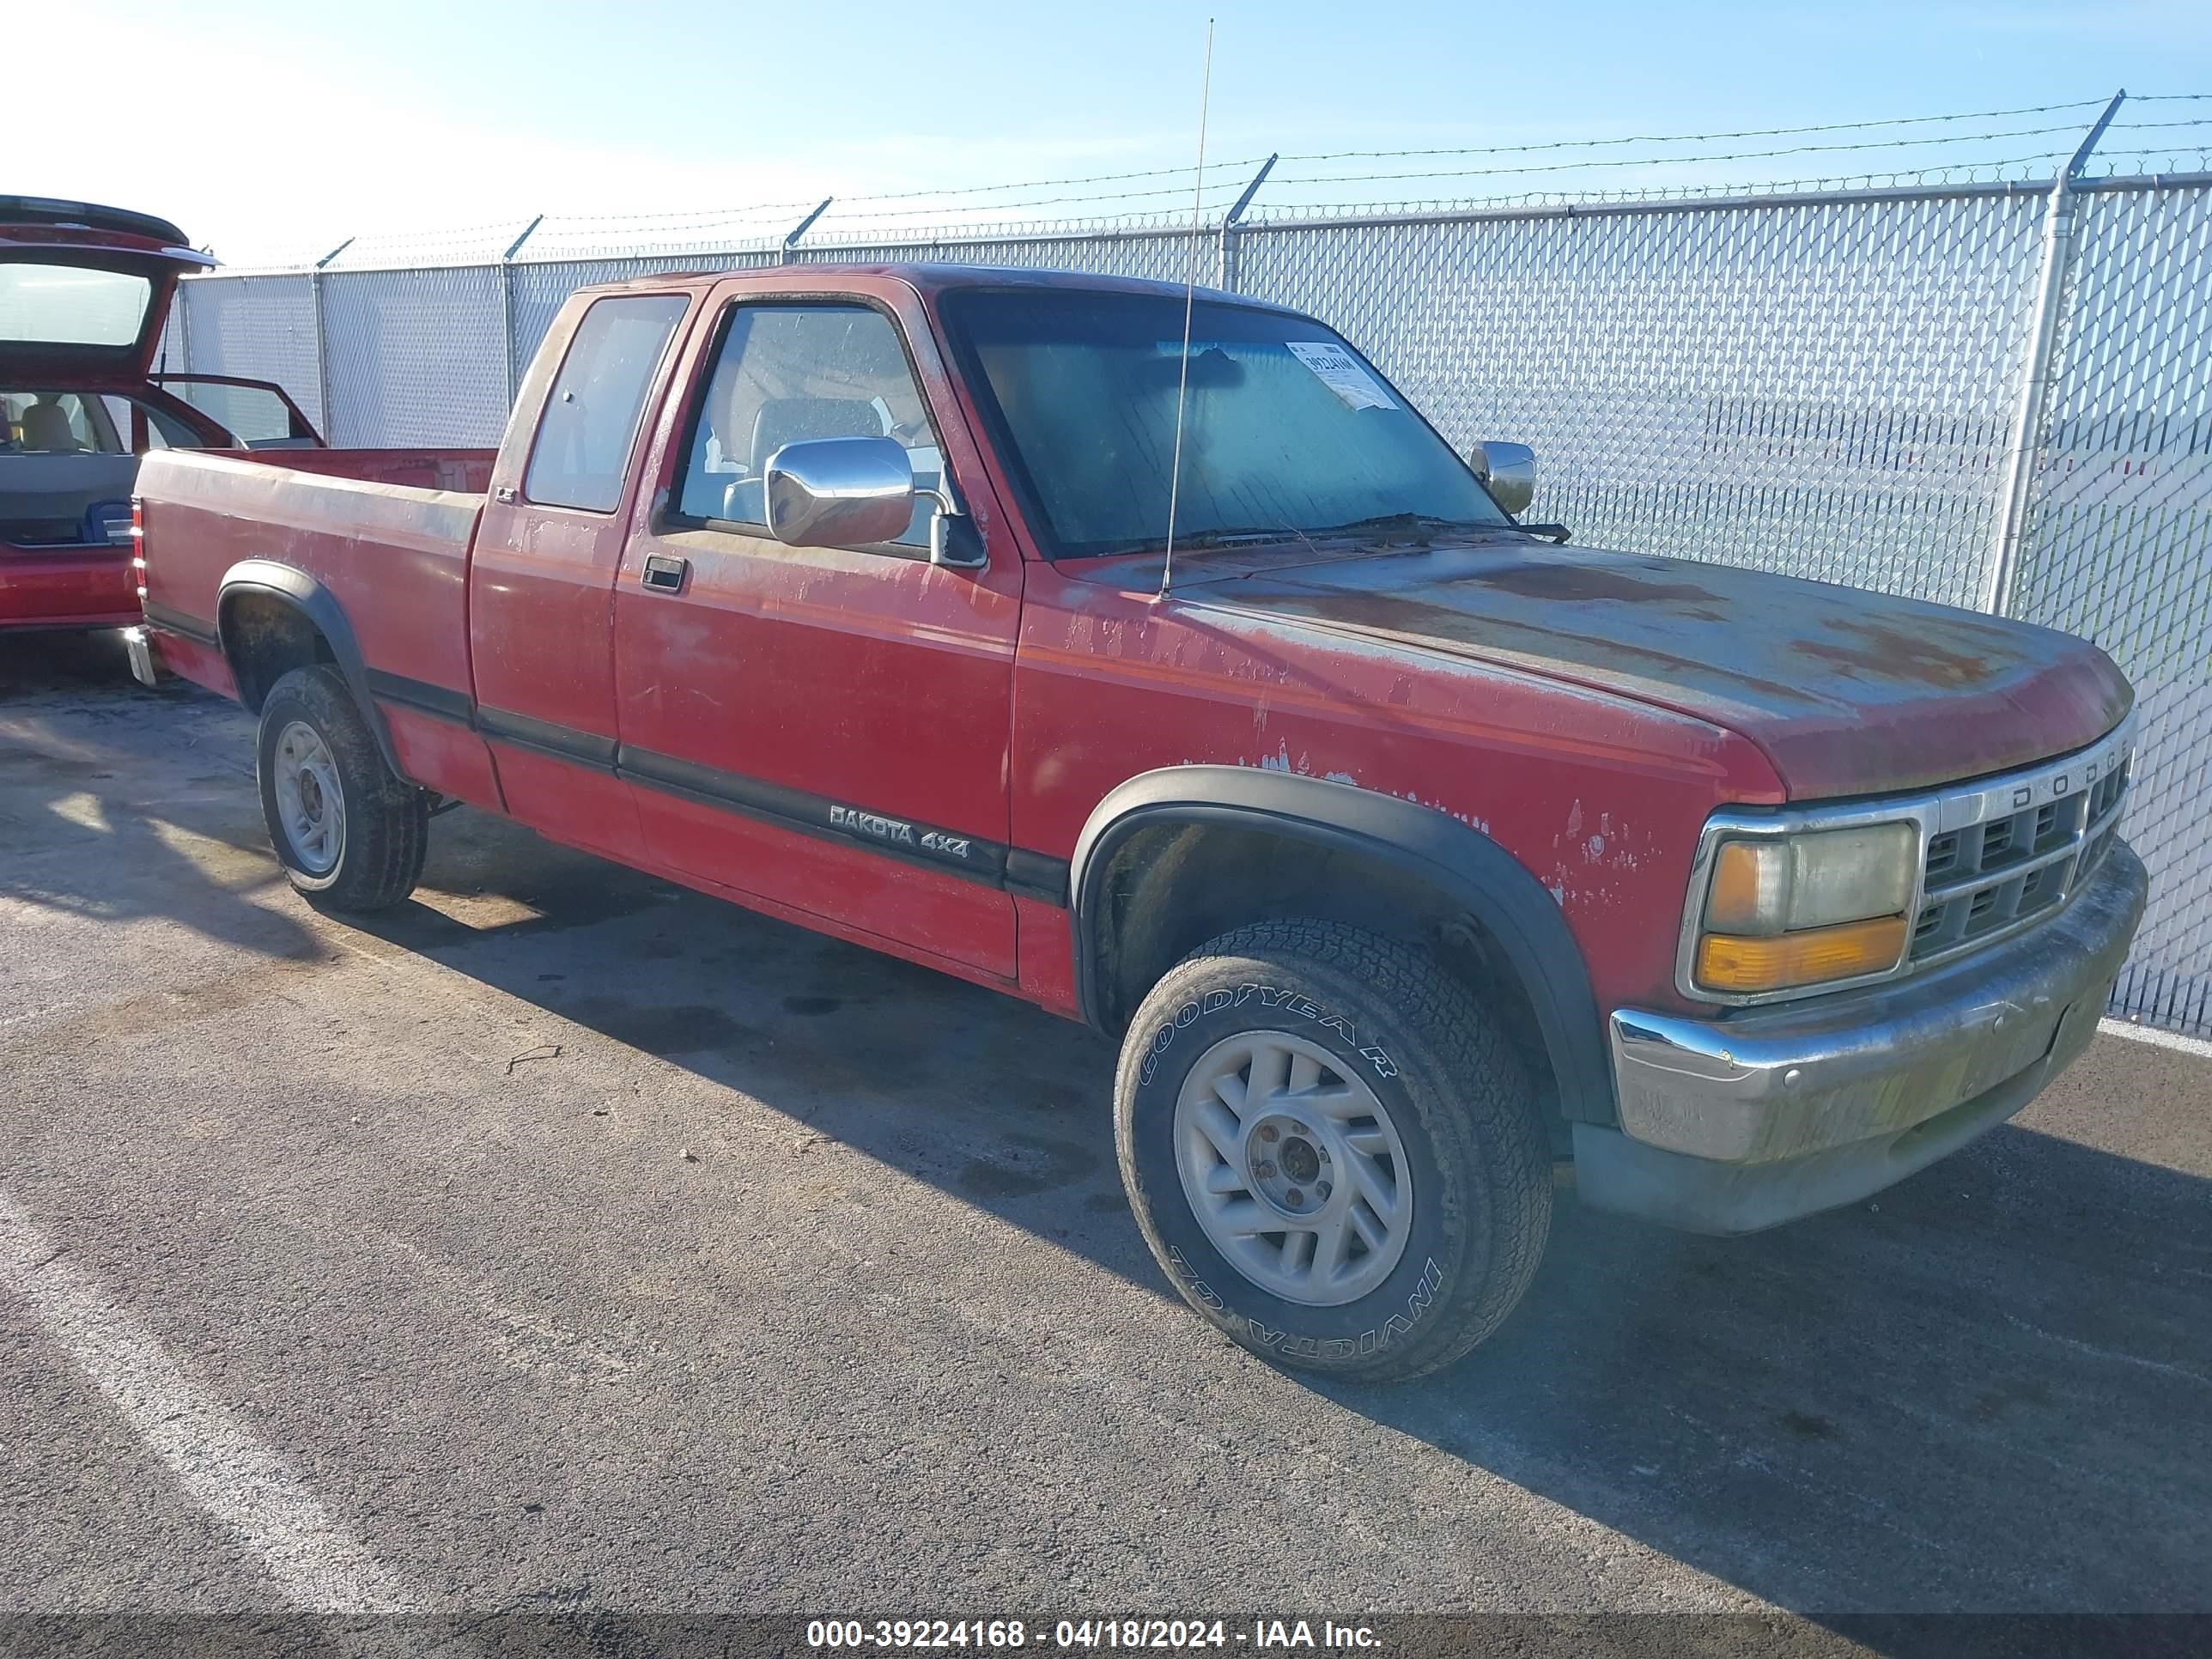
897 831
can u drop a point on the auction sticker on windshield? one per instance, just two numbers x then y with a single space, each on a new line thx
1341 373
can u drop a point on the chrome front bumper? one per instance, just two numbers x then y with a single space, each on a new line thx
1732 1124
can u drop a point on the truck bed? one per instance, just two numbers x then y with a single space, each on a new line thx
386 531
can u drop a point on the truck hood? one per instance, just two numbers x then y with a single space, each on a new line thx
1847 692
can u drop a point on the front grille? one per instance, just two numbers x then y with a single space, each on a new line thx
2025 843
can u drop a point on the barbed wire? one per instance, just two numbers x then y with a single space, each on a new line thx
1666 161
1707 137
683 213
1234 185
1903 178
990 209
1040 184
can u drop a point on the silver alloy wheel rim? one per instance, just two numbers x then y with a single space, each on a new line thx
1293 1168
310 804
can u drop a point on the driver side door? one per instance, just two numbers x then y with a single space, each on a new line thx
823 729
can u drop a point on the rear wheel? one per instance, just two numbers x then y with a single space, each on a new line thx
350 834
1331 1149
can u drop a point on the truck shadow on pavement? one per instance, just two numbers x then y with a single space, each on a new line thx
1991 1388
91 803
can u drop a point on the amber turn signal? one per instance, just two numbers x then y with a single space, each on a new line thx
1751 886
1731 962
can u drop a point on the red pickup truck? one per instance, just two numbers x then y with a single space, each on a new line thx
1407 851
84 292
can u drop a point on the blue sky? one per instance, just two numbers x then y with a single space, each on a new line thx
299 124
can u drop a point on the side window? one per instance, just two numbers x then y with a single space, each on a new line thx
119 417
163 430
253 415
94 431
788 372
591 415
56 423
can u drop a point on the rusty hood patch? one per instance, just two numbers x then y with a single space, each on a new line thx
1848 692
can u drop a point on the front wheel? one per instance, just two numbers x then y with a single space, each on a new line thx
1331 1149
350 834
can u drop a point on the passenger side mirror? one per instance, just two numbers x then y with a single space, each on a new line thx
839 492
1509 470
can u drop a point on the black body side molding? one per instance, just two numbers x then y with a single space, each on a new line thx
1467 866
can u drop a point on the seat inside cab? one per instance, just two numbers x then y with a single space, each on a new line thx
67 469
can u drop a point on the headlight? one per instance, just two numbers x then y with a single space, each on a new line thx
1786 911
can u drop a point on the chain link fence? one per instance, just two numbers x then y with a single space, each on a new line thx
2117 544
1827 384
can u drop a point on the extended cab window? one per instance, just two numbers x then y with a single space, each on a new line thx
788 373
591 415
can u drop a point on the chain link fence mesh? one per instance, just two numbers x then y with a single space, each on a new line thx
414 357
2117 545
1822 385
1822 388
539 290
262 328
1164 257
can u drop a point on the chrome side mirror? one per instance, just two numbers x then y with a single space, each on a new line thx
838 492
1510 470
854 492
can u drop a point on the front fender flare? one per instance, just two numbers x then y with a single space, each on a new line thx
303 593
1456 860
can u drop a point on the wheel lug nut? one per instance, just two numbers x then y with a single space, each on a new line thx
1299 1129
1296 1197
1321 1192
1267 1131
1265 1171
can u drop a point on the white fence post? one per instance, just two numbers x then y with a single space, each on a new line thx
322 348
1225 268
2001 582
506 309
791 242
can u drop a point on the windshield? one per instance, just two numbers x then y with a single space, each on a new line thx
1286 431
71 304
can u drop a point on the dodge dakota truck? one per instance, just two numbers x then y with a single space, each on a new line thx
1407 851
84 292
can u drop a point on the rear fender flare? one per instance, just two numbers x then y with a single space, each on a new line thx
303 593
1450 857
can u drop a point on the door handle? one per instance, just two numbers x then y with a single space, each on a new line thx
663 574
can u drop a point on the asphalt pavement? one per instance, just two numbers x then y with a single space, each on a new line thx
565 1240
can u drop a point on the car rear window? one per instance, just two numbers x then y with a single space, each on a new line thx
69 305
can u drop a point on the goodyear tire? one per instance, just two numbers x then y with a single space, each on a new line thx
1331 1150
350 833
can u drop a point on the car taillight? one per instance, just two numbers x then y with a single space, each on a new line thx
138 545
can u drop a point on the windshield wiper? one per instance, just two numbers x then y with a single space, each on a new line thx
1404 521
1250 532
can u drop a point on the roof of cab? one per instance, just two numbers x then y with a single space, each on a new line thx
929 278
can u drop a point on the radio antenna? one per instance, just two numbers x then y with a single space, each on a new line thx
1189 302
